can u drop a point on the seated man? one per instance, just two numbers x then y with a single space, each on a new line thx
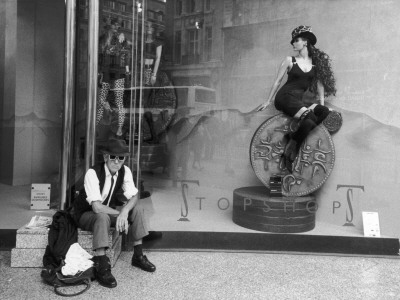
97 209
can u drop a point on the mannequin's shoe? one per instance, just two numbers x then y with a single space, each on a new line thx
289 154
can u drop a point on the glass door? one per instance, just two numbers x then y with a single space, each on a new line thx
118 54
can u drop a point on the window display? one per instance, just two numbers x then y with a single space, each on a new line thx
182 81
114 59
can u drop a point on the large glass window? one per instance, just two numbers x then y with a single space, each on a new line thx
193 46
31 112
178 7
207 5
180 82
191 6
31 104
208 42
178 47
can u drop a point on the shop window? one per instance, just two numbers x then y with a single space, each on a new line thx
193 55
150 14
191 6
208 5
84 12
109 4
208 48
178 46
122 7
178 8
190 136
160 17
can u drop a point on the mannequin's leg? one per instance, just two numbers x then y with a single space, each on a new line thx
320 111
148 117
119 101
101 103
308 121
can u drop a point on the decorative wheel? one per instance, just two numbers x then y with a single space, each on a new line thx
333 122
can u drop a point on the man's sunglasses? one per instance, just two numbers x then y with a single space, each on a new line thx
114 157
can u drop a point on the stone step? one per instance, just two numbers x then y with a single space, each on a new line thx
38 238
31 245
33 257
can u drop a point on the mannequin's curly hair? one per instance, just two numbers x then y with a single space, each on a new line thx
323 69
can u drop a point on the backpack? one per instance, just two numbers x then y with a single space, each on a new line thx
55 278
62 234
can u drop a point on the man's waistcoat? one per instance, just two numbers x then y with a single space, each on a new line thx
80 204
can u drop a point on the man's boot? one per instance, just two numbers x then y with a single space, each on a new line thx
143 263
139 260
103 274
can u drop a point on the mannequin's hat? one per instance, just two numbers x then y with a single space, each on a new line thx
304 31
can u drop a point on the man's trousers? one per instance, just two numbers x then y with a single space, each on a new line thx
101 223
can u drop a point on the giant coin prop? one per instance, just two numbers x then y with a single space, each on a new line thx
312 166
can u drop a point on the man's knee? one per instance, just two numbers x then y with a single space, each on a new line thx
137 212
102 219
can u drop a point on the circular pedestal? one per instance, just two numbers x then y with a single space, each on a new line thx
253 208
312 166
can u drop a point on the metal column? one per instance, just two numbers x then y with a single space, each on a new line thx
69 64
93 35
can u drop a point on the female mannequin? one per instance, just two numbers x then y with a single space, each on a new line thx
309 69
114 57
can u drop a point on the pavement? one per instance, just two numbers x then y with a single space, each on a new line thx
227 275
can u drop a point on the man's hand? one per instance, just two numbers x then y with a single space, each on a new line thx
122 219
122 222
121 38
